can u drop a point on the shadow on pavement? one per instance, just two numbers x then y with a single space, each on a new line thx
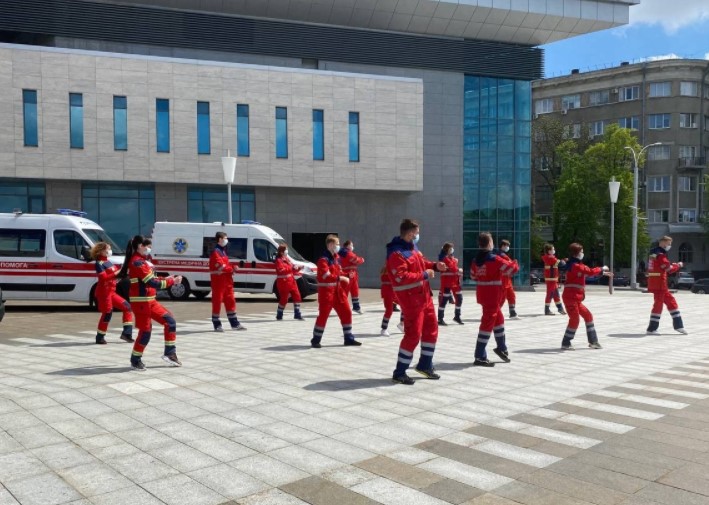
626 335
453 366
91 370
550 350
65 344
349 385
294 347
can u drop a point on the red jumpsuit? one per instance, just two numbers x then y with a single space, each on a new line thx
407 269
221 277
574 294
389 298
107 300
450 288
488 269
143 288
508 288
349 262
287 286
332 294
551 279
658 268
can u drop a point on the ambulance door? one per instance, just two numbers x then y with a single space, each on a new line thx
69 275
238 256
23 263
264 267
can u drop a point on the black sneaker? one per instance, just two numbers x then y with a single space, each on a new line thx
279 318
458 320
396 308
137 366
314 343
504 355
483 362
429 374
239 327
101 341
127 338
352 341
562 312
299 318
403 379
172 360
441 322
548 312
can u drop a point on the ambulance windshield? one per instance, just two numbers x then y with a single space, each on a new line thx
101 236
291 251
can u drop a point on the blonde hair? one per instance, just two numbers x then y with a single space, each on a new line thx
98 248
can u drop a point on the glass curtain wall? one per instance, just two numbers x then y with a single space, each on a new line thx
208 204
123 210
497 166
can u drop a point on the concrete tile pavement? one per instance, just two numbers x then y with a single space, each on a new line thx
258 417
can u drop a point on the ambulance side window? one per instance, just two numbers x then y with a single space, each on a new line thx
236 248
69 243
22 243
264 250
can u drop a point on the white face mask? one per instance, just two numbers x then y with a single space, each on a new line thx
505 249
109 253
351 248
451 251
335 249
147 251
552 252
580 256
416 239
667 248
223 242
285 253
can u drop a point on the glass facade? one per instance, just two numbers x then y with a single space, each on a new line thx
242 130
28 196
120 123
281 132
497 166
203 130
318 135
208 204
354 136
162 124
123 210
29 117
76 120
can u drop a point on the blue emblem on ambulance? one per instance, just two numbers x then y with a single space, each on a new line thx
179 245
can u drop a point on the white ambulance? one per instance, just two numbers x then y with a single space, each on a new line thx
184 249
46 256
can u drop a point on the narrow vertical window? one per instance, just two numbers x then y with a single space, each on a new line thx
76 120
29 117
242 130
318 135
281 132
203 131
120 123
354 136
162 124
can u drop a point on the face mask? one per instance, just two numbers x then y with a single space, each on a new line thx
416 239
109 253
285 253
505 249
223 242
351 248
667 249
552 252
335 249
147 251
580 256
451 252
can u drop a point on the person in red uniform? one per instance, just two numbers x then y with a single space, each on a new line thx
410 272
349 262
106 297
286 283
507 286
143 288
658 268
574 294
488 269
450 288
332 294
389 299
221 277
551 279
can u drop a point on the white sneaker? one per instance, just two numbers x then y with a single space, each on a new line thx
358 312
385 333
401 327
682 331
239 327
568 348
652 332
514 318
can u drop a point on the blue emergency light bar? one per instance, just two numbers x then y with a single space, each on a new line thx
71 212
248 221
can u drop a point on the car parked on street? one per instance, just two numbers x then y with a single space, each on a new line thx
681 280
618 280
536 277
701 287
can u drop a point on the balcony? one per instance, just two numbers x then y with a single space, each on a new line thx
698 163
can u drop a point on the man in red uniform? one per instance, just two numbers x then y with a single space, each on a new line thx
658 267
221 276
507 286
450 289
286 283
575 293
332 294
410 272
488 269
349 262
551 279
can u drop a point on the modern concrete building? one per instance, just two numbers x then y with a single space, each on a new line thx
345 115
664 101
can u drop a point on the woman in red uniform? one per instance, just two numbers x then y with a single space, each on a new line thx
574 294
143 288
450 284
350 262
221 278
389 299
507 286
488 268
106 297
551 279
286 283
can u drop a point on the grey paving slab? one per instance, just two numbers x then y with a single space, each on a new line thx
692 477
94 479
668 495
228 481
65 455
452 491
272 497
20 465
318 491
133 495
43 489
575 488
182 490
268 469
646 470
602 477
397 471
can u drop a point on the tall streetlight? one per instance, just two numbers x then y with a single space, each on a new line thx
634 248
614 187
229 167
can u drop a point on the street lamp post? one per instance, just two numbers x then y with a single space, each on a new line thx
634 248
614 187
229 167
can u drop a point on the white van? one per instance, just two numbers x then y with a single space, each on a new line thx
46 256
184 249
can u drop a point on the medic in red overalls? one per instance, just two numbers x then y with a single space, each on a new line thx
221 277
488 269
450 284
574 294
658 267
143 287
410 271
106 297
332 294
286 283
349 262
551 279
389 299
507 286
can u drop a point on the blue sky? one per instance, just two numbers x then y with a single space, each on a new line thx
657 28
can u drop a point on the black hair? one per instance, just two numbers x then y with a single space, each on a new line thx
220 235
407 225
131 249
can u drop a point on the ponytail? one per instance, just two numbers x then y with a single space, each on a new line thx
131 249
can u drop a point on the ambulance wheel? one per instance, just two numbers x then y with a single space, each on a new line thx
179 291
200 295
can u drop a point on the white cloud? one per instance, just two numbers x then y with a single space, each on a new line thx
670 56
671 15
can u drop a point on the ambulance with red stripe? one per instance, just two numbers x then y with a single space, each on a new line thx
184 249
46 256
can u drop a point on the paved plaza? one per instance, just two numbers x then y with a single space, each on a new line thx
260 418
